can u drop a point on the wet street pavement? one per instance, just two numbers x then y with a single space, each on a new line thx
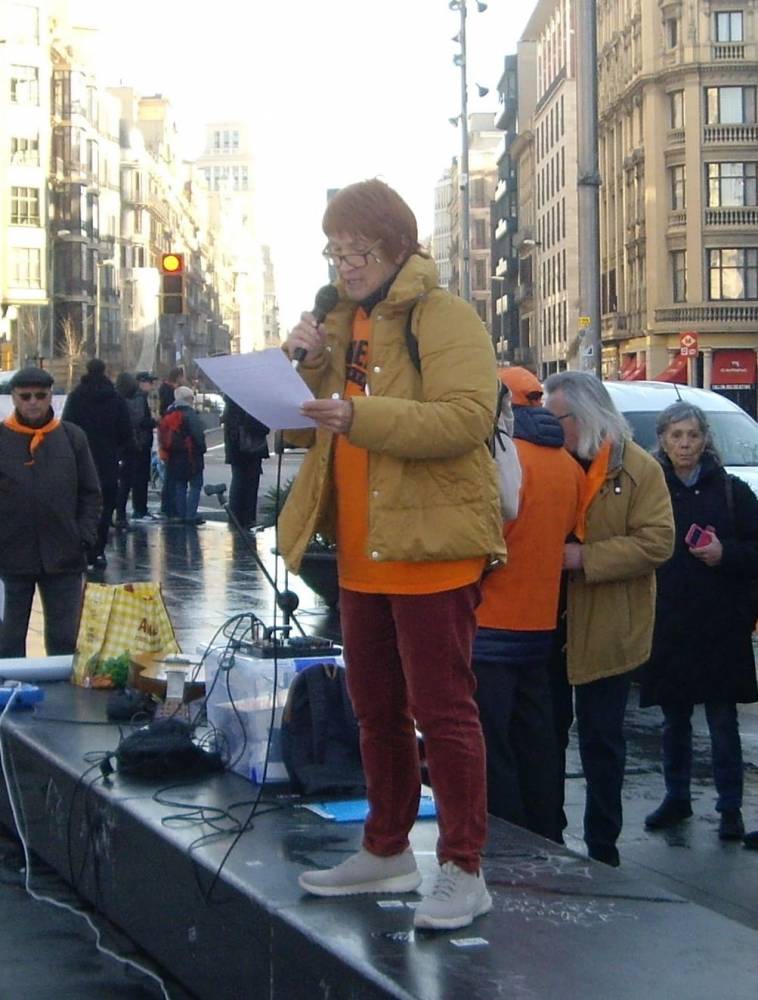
208 574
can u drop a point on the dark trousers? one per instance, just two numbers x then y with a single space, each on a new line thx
168 491
243 491
409 658
110 496
61 595
140 481
524 778
125 482
726 752
600 708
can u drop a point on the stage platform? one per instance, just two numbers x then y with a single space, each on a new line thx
561 926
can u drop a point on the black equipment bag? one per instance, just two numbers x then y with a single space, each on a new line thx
320 747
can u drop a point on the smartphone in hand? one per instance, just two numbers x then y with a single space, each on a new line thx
698 537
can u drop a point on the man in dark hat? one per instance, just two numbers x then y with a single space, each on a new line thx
144 435
49 509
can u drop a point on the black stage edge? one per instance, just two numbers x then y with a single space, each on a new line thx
561 926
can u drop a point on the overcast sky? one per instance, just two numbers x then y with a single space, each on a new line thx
334 90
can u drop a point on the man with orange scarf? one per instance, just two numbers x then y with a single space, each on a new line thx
49 509
624 530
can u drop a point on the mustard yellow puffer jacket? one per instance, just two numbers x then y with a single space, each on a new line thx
432 488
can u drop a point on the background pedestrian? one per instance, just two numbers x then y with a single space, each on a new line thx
245 447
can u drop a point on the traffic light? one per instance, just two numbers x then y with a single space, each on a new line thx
172 283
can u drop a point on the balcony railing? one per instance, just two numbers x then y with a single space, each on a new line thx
730 133
678 217
741 215
676 137
728 52
714 312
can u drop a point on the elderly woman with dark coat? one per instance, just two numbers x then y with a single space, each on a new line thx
702 649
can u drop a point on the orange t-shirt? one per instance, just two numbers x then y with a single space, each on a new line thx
357 571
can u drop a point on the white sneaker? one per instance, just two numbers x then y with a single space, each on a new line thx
456 899
365 872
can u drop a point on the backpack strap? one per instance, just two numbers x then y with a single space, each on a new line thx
411 341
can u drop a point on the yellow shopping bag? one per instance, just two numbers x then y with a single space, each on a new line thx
117 620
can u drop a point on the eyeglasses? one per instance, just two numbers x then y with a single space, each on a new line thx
353 259
41 394
564 416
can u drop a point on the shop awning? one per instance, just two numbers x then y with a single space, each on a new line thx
675 371
634 374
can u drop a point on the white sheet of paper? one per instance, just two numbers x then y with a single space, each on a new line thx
264 384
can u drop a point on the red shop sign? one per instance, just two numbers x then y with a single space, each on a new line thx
733 369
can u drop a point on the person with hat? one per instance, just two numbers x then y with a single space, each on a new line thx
50 505
144 442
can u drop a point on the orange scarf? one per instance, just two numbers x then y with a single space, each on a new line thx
594 479
38 433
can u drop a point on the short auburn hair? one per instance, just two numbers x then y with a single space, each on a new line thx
374 210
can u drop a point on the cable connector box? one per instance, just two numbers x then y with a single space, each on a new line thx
26 694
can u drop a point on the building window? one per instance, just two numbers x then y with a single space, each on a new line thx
676 107
24 206
24 85
730 105
24 24
678 179
729 26
481 309
25 151
480 234
731 184
733 273
480 275
25 267
672 32
679 275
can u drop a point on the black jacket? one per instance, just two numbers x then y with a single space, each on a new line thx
103 416
48 510
242 432
702 643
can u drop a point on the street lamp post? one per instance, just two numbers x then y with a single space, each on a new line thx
100 264
460 60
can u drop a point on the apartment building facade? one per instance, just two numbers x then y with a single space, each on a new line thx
678 113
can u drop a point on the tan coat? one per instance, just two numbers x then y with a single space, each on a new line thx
611 602
433 494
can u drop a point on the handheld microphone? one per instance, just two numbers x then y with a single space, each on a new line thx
326 299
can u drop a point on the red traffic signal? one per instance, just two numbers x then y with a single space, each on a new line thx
172 263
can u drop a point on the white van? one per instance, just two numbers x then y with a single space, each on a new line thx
735 433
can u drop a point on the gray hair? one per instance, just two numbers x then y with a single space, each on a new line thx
183 394
679 411
597 418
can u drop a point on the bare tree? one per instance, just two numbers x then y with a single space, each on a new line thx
72 342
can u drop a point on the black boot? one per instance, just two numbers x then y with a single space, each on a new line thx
669 813
751 840
731 826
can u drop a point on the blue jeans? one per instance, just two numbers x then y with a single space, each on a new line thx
187 496
726 752
600 707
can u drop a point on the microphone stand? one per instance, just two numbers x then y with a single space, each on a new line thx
286 600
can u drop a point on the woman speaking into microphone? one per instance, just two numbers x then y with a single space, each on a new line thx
400 476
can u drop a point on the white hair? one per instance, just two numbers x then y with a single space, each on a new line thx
597 419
